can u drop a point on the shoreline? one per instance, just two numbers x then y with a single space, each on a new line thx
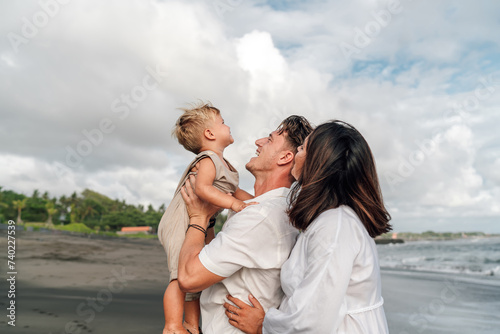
444 275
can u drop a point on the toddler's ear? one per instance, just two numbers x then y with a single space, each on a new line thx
208 134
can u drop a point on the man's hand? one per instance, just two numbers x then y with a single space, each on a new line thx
246 318
195 168
198 210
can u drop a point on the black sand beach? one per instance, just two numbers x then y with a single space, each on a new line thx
73 284
437 303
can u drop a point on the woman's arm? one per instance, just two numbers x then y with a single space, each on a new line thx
317 303
207 192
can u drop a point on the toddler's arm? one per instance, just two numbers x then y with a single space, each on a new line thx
242 195
207 192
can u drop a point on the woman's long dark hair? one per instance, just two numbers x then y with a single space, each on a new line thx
339 169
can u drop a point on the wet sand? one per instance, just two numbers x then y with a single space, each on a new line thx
73 284
417 302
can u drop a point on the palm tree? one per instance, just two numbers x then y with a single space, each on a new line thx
2 204
73 198
51 211
64 205
19 205
36 193
73 214
87 210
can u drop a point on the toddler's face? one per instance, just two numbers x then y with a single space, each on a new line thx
222 131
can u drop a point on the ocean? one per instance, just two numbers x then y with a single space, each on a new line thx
467 257
442 287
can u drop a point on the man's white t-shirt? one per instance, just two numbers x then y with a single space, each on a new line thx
249 251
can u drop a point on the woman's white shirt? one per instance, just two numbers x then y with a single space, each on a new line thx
331 280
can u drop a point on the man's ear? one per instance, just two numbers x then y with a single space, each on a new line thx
208 134
286 157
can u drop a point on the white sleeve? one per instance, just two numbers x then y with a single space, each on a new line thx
248 240
317 305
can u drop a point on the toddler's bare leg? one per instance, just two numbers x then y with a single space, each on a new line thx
173 307
192 316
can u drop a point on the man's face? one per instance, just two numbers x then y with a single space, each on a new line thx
268 150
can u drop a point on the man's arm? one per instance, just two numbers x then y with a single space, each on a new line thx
193 276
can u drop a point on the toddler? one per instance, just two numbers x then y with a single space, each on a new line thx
202 131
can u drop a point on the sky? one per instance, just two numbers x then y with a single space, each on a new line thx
90 91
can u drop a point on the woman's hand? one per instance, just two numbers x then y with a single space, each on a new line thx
197 209
246 318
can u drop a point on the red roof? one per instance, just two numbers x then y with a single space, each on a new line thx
137 229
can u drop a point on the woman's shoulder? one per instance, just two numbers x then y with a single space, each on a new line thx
334 218
337 226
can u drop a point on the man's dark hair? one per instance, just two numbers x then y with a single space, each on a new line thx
296 129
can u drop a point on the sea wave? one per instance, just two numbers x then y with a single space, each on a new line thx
478 257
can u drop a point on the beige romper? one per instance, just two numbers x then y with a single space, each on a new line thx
175 220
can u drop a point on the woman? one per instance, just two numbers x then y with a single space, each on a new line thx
331 280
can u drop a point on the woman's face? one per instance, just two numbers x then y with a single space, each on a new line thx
300 157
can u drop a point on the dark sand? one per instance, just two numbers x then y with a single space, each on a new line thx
73 284
437 303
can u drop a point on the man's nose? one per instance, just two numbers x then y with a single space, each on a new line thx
260 142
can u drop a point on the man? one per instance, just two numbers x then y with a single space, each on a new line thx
247 255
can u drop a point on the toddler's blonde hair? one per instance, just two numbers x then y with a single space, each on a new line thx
190 126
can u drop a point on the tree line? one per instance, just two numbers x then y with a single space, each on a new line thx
95 210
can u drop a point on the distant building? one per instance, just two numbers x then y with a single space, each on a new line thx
63 218
136 230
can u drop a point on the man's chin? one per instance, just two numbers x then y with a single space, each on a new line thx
249 165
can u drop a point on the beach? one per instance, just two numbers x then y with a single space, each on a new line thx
420 302
76 284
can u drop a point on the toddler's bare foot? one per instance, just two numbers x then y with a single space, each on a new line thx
180 330
191 328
